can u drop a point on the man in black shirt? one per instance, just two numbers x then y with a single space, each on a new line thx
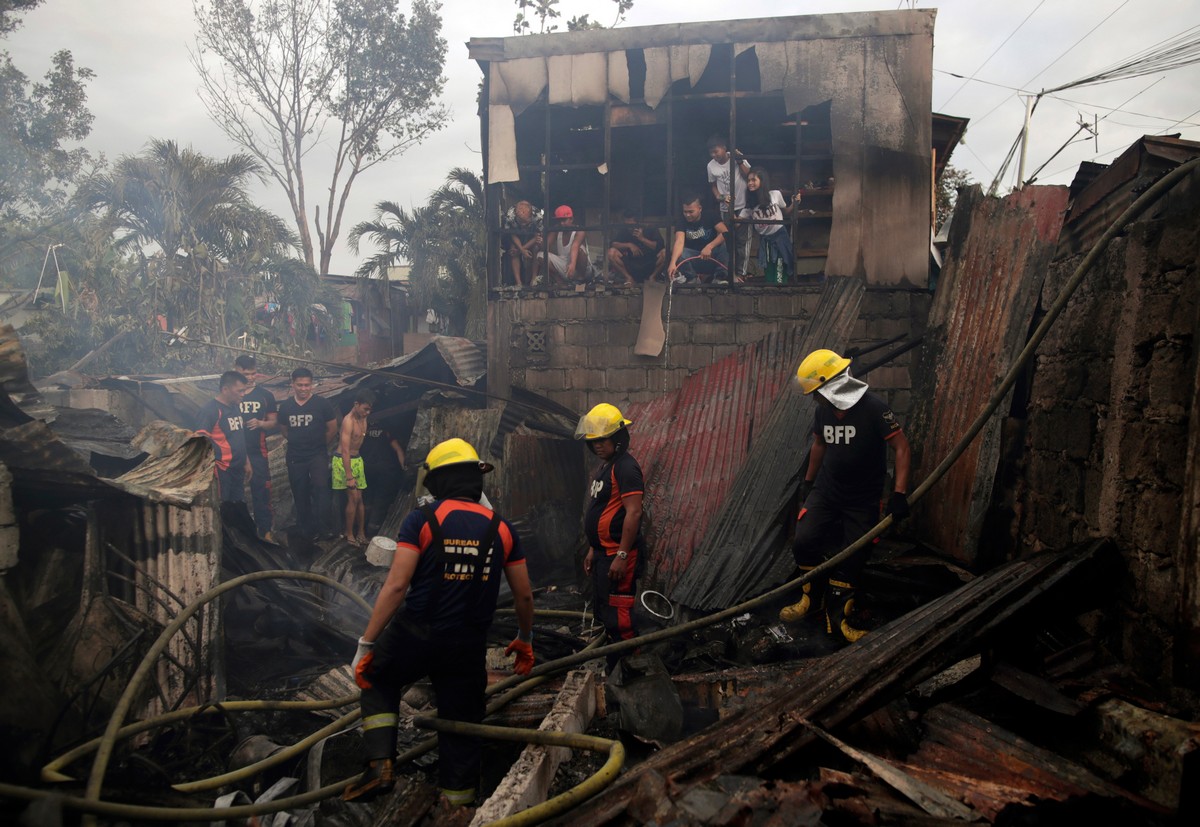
636 253
840 495
309 423
259 415
221 421
699 249
384 461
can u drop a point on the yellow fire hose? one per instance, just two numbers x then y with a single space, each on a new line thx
564 801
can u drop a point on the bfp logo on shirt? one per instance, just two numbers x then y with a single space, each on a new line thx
299 420
838 434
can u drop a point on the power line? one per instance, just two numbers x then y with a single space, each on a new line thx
993 54
1056 60
1076 43
1086 104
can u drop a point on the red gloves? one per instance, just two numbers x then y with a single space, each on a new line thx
524 652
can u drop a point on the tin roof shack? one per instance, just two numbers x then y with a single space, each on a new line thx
371 324
836 107
93 567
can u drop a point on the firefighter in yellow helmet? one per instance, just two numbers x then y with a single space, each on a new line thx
613 523
432 618
840 495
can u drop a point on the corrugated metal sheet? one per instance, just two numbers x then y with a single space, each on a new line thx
720 456
997 259
178 552
1110 192
180 477
991 769
759 736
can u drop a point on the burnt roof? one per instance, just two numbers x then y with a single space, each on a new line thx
750 30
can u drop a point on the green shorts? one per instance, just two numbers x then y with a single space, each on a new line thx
339 472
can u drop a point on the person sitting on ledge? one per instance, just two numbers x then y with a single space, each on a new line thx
637 254
522 241
699 252
566 250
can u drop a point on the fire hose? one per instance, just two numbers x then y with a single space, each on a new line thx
93 804
104 745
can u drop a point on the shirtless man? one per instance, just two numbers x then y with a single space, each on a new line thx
347 466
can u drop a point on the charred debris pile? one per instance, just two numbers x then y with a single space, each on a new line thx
1030 627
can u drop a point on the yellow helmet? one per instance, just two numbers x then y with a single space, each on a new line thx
453 452
601 422
818 368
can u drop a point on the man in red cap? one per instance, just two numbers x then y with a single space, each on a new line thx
566 249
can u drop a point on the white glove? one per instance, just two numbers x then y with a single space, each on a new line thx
364 646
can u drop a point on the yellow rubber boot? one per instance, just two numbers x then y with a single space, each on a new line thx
811 599
838 606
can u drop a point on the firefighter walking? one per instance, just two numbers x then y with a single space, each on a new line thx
432 617
840 495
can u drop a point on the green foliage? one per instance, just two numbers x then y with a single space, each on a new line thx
209 246
444 242
545 12
287 79
947 191
38 121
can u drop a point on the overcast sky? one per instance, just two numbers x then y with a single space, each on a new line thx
145 86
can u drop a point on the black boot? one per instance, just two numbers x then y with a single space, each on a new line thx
378 779
838 606
812 599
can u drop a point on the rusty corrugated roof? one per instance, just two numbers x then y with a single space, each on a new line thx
1108 193
720 456
998 255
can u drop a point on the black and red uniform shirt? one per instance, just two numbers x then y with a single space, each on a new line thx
258 403
855 463
225 430
605 517
461 601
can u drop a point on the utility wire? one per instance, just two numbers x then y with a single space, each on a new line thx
1177 123
993 54
1071 48
1070 100
1056 60
1180 51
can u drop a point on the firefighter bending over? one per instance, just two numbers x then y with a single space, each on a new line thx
840 495
613 523
432 618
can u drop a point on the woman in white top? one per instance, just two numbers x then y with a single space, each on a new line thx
567 250
765 204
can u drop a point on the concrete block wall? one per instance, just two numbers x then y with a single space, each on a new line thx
577 348
9 533
1112 436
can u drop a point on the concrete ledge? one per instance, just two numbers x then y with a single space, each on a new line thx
529 780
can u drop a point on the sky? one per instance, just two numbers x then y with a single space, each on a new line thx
146 87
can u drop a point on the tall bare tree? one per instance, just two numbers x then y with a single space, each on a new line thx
285 78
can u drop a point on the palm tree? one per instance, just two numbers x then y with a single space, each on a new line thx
445 244
207 242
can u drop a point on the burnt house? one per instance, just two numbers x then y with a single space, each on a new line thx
834 107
